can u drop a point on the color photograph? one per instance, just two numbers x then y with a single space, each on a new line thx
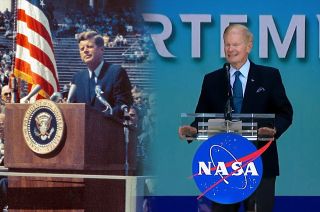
152 106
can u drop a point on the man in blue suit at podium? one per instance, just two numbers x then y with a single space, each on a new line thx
255 89
112 79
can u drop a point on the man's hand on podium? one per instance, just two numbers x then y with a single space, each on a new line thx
266 131
187 132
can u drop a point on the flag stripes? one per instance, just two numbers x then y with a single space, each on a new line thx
35 62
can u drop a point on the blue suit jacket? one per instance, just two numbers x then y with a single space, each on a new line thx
264 93
114 83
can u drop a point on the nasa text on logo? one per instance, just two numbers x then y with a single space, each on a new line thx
227 168
43 126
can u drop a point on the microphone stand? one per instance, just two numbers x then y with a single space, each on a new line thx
71 93
126 137
56 97
108 109
228 108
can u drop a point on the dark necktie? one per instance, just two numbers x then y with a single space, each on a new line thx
92 85
237 93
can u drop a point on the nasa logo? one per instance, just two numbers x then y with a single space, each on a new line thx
227 168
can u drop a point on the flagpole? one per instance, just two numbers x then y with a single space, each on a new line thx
14 29
13 82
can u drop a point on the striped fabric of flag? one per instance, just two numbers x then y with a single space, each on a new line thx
35 62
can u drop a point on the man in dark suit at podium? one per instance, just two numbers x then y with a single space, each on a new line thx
112 79
259 90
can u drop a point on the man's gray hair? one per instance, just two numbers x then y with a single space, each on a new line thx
248 34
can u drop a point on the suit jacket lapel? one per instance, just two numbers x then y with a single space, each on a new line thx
102 74
250 89
86 87
103 71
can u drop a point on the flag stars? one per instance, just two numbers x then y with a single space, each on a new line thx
42 4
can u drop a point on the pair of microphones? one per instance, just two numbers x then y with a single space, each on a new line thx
98 92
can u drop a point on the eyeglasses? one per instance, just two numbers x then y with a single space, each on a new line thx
7 94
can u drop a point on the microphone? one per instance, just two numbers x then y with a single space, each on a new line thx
226 67
56 97
35 90
103 100
228 108
125 108
71 93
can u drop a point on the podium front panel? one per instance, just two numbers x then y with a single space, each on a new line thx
91 142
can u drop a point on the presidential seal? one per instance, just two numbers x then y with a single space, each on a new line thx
43 126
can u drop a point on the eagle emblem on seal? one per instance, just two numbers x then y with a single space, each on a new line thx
43 126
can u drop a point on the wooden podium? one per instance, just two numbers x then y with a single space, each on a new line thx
92 145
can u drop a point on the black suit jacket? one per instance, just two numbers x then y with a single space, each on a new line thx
264 93
114 83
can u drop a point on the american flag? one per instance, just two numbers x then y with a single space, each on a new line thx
35 62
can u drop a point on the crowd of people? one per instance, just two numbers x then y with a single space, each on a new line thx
142 120
140 51
6 57
123 21
115 26
111 23
6 23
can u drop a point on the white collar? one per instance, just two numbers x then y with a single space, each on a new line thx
97 70
244 69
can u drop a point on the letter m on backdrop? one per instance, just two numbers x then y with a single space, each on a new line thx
35 62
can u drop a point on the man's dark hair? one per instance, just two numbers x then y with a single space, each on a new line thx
91 35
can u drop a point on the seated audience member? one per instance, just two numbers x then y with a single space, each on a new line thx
6 94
